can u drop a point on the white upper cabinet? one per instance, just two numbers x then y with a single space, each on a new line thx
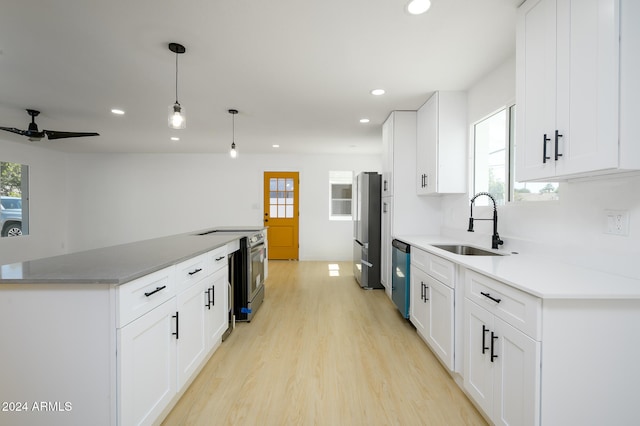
576 62
441 144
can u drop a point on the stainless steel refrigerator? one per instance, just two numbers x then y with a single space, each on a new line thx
366 229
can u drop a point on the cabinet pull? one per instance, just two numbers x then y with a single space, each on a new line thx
493 338
490 297
426 181
384 186
213 295
484 333
208 294
558 135
218 259
155 291
177 325
426 289
545 139
384 207
195 272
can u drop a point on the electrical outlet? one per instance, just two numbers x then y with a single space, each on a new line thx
616 222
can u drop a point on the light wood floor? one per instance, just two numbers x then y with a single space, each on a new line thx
322 351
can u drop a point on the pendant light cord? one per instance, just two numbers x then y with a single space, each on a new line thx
177 78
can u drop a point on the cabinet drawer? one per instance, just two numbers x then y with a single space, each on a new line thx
519 309
218 258
193 270
441 269
140 296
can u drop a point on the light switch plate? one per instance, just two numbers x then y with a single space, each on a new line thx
616 222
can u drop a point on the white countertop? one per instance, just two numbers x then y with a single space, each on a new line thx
537 275
118 264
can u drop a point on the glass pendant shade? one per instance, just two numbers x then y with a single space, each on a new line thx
234 152
177 118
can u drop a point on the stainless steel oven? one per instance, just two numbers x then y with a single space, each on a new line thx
257 253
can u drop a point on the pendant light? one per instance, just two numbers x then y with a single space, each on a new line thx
177 117
233 152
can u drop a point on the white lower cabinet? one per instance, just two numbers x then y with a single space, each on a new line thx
147 365
162 349
432 305
502 364
502 369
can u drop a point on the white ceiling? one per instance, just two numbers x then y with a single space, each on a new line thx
298 71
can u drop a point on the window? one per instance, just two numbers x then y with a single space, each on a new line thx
14 199
494 162
340 184
281 201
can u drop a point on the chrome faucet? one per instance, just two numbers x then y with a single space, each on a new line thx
495 238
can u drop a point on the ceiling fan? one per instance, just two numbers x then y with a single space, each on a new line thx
35 135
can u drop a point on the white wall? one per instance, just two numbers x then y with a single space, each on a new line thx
122 198
571 228
47 201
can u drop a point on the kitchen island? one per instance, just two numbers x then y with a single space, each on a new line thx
112 335
531 340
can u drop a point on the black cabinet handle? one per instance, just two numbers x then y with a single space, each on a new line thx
384 185
493 338
177 325
213 295
558 135
208 294
219 258
426 289
155 291
484 333
195 272
545 139
384 207
490 297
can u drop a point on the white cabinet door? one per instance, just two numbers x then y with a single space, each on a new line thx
535 89
587 85
217 307
440 320
441 144
191 347
516 398
385 244
478 374
419 300
427 146
387 156
147 365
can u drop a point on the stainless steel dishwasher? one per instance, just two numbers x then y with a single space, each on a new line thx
400 280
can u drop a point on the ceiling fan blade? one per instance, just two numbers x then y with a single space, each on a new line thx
14 130
52 134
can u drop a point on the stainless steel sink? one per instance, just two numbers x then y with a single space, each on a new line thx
466 250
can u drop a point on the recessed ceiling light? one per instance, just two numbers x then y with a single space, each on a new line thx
276 146
377 92
175 138
364 120
117 111
418 7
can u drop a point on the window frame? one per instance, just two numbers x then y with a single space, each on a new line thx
340 178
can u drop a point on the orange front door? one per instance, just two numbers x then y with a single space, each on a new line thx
281 202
